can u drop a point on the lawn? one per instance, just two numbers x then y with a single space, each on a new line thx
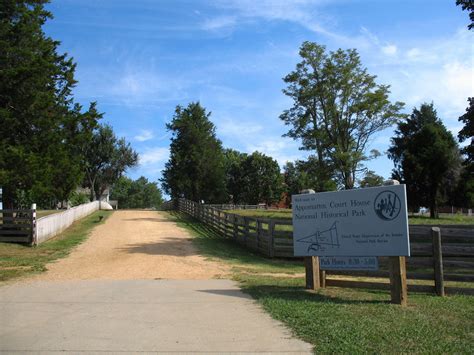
342 320
18 260
44 213
286 214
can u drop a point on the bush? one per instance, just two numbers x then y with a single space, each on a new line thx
78 198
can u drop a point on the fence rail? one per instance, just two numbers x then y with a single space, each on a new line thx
17 225
444 253
50 226
22 226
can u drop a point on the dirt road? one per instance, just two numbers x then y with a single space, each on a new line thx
135 245
137 284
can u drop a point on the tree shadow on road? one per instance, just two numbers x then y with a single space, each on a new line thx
166 246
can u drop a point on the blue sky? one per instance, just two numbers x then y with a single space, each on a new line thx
139 59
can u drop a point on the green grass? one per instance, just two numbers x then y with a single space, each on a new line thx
342 320
286 214
18 260
44 213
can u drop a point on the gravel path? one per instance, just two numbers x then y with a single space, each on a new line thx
137 284
135 245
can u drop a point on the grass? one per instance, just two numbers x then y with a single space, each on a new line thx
342 320
286 214
44 213
18 260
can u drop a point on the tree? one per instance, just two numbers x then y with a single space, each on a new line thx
464 194
337 108
106 158
371 179
426 158
195 169
234 174
466 133
262 180
136 194
39 123
303 174
467 5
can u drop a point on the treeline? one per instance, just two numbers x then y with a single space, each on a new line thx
49 143
138 193
337 109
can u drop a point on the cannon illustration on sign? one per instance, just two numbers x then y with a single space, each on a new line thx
320 240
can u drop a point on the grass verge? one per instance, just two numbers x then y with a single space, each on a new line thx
342 320
18 260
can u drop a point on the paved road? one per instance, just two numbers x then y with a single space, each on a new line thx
73 313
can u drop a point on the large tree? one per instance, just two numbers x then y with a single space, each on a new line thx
303 174
39 123
337 108
252 178
106 159
263 182
426 158
467 134
467 5
234 174
464 194
195 169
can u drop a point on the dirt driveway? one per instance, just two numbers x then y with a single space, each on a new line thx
135 245
137 284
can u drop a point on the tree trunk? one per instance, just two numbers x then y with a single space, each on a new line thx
434 209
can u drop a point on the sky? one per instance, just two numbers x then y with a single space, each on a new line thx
140 59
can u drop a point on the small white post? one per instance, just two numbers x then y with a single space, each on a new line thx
34 232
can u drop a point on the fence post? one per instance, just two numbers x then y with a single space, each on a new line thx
311 265
34 234
322 278
438 261
271 246
236 227
247 230
398 280
259 230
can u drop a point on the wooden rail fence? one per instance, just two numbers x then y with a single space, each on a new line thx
439 254
17 226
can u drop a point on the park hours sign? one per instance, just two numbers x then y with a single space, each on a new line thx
369 222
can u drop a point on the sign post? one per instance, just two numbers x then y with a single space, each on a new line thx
360 223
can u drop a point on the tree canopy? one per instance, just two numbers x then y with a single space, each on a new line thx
106 159
371 179
426 158
40 125
195 169
467 5
337 108
467 133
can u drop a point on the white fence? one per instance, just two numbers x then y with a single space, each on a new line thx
50 226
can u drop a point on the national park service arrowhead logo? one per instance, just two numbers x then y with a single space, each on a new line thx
387 205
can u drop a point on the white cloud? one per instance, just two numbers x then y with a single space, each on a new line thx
144 135
414 53
219 23
302 12
390 49
373 40
439 71
280 149
237 129
154 155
